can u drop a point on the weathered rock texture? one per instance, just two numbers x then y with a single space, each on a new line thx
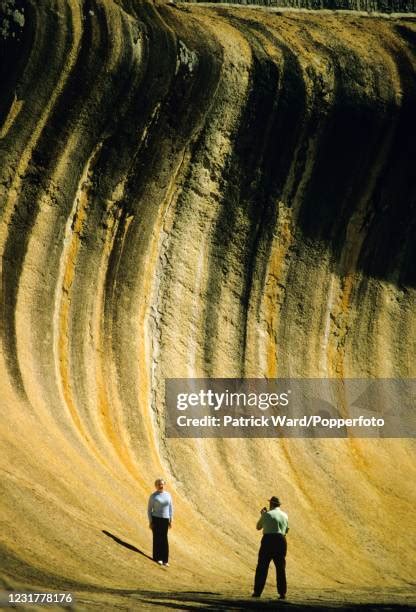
201 191
382 6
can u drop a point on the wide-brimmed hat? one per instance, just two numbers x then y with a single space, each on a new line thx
275 500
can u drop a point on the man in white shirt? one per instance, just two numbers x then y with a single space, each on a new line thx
275 525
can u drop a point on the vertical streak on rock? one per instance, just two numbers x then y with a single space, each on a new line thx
62 323
317 75
204 182
9 332
385 89
14 111
149 357
105 376
187 242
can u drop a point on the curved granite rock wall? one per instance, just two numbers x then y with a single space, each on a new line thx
193 191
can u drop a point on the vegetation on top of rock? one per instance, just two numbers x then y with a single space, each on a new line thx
12 19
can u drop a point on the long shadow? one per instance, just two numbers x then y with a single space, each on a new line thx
212 602
126 544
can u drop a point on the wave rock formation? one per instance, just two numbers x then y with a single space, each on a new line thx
194 191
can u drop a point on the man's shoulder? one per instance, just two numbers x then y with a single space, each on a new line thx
278 512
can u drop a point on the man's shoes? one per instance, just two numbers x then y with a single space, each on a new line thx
282 597
160 562
166 564
255 595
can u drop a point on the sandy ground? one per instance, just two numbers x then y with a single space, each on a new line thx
212 601
96 598
298 600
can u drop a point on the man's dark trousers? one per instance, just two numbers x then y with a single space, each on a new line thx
273 546
160 528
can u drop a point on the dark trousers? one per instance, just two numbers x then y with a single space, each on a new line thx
273 546
160 528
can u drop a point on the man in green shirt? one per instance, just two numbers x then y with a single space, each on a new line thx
274 523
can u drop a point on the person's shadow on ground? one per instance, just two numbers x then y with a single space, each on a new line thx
213 602
126 544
